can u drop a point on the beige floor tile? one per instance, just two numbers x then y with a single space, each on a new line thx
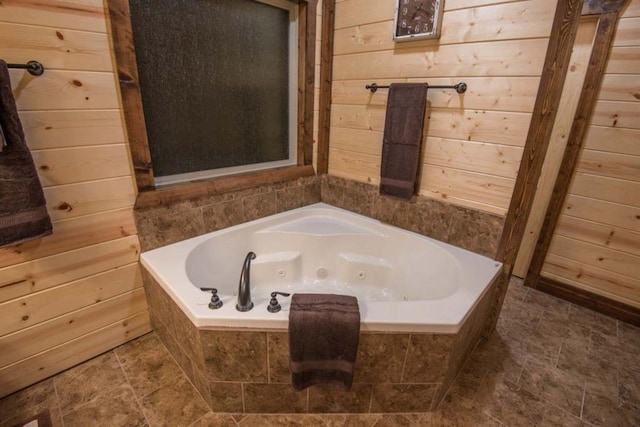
556 417
282 421
147 364
79 385
531 371
510 404
557 387
173 405
27 403
116 407
215 420
603 407
351 420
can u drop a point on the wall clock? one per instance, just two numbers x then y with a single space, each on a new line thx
417 19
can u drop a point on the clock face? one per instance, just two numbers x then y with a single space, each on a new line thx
416 18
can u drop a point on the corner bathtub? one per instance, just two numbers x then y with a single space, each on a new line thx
403 281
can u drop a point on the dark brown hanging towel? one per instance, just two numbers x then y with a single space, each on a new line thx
23 211
402 138
324 330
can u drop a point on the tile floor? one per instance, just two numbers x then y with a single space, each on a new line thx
549 363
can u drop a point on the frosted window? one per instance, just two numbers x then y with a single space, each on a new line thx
214 78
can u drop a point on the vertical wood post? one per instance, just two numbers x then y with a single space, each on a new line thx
326 80
586 105
561 40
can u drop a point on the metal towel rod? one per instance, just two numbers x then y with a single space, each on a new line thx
460 87
33 67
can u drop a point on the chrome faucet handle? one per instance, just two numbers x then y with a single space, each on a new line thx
274 306
215 302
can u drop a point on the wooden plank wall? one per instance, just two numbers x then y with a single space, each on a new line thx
77 293
596 246
473 142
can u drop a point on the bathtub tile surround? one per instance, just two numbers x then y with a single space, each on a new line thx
502 383
463 227
235 355
247 371
473 230
162 225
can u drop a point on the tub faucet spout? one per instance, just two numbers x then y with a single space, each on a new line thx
244 287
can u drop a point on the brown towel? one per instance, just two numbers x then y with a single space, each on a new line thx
402 138
323 339
23 211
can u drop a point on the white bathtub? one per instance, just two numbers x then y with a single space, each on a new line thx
403 281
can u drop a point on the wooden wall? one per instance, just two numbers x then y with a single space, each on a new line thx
596 246
77 293
474 141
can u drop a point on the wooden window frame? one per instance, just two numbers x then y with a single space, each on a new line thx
148 194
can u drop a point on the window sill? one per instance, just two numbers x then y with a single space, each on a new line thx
190 190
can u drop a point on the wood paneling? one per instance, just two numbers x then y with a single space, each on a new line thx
571 91
59 49
33 340
525 58
85 15
74 200
590 277
76 293
22 279
74 233
32 309
596 245
64 90
72 128
70 353
497 47
616 214
61 166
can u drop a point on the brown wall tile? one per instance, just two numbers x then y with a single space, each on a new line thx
226 397
380 357
278 347
289 198
235 355
222 215
324 398
427 358
168 224
259 206
476 231
402 397
331 193
312 190
273 398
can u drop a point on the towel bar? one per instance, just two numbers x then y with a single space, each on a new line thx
33 67
460 87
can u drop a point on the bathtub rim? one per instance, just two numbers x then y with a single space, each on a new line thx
449 319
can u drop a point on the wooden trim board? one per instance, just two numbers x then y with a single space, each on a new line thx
326 84
586 105
124 50
589 300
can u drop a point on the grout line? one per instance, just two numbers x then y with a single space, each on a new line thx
406 356
371 399
526 362
55 392
584 397
244 409
135 395
555 363
268 361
